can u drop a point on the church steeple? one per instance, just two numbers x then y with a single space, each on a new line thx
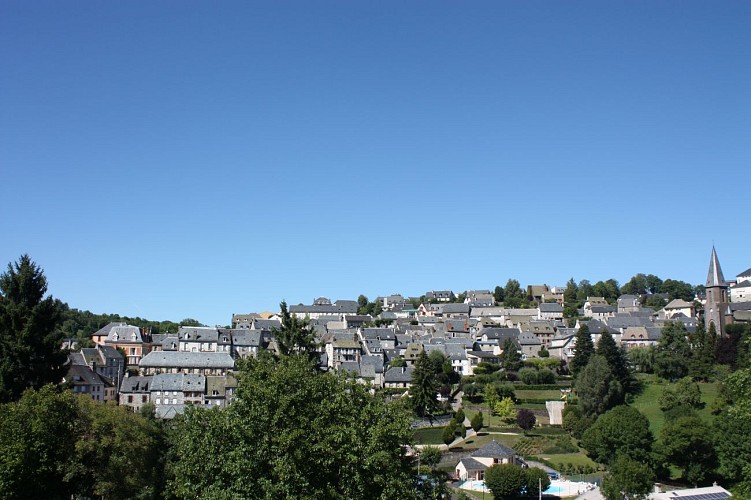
717 296
715 277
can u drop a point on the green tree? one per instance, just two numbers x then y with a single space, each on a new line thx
617 360
584 348
673 352
498 295
294 336
513 296
118 452
642 358
505 409
430 456
687 444
398 362
505 480
732 430
510 358
293 432
37 438
30 354
459 416
637 285
574 422
597 388
535 480
678 290
622 430
570 299
449 433
362 305
685 392
477 421
424 389
628 478
525 419
703 348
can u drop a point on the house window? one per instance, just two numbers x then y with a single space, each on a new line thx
158 401
130 399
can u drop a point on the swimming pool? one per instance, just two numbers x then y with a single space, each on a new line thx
566 488
557 487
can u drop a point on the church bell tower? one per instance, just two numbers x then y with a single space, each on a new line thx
717 296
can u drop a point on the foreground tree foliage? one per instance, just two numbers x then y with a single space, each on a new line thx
293 432
37 439
512 481
54 444
628 478
30 354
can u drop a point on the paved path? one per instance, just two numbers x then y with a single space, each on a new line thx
594 494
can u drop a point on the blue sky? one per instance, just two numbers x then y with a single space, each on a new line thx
196 159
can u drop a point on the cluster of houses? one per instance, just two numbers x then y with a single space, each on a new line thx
196 365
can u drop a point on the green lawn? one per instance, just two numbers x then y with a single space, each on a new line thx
551 395
570 458
429 435
648 403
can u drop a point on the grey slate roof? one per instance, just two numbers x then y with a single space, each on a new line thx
338 307
551 307
529 338
375 361
714 276
398 374
198 334
500 333
136 384
178 359
494 450
178 382
456 308
124 333
472 464
105 330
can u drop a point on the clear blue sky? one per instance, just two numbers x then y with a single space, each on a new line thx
196 159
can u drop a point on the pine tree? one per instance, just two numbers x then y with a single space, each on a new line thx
510 358
703 346
424 389
583 350
30 354
616 358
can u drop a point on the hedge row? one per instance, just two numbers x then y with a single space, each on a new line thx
541 387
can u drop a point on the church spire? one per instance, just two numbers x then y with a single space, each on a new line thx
715 277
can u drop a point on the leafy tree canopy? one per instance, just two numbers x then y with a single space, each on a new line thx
293 432
628 478
622 430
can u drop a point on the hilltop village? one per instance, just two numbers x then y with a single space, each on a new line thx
196 364
586 390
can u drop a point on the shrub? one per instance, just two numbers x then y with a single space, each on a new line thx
477 422
459 416
448 433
